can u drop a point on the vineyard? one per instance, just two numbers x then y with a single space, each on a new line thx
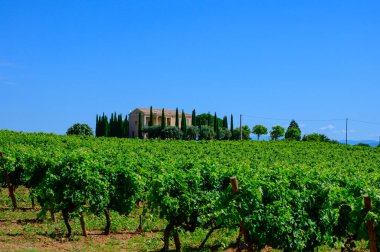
278 194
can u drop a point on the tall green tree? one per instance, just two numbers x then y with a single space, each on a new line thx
125 127
80 129
120 126
97 126
177 118
203 119
315 137
245 133
216 126
259 130
140 127
183 123
110 126
163 120
193 118
150 117
277 132
293 132
232 124
206 133
113 125
192 133
106 126
225 122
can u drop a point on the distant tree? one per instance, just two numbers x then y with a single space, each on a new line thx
171 132
216 126
225 122
163 120
115 125
153 132
206 133
191 133
315 137
140 127
106 126
224 134
110 127
232 124
150 116
363 145
183 122
97 126
259 130
208 119
101 129
125 130
120 126
201 119
204 119
80 129
177 118
277 132
245 133
193 118
293 132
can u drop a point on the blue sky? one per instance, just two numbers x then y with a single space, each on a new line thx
63 62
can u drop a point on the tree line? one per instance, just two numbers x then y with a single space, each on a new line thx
114 127
204 126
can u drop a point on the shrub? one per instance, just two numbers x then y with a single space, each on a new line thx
171 132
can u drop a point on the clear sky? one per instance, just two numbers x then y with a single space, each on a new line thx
63 62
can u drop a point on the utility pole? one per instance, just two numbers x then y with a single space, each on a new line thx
346 130
241 127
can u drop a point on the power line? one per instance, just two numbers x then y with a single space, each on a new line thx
312 120
374 123
303 120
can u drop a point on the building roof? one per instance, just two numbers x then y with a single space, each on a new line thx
168 112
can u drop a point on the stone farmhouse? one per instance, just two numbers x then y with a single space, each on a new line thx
157 118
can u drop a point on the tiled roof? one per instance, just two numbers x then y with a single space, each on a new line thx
168 112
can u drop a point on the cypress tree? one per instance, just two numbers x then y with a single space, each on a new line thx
177 118
140 126
106 126
126 127
208 119
120 126
225 122
216 126
163 120
215 122
111 126
100 126
183 123
193 118
97 126
232 124
151 117
114 125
